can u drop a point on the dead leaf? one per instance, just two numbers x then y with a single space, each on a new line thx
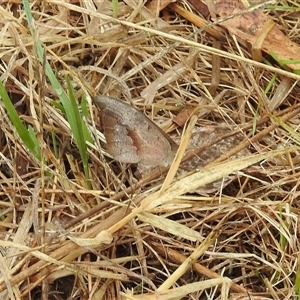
257 29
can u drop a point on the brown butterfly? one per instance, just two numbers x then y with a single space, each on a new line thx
131 137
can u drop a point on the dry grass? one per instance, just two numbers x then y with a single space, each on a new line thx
119 238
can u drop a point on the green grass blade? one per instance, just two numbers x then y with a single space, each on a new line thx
70 107
77 125
115 4
27 136
49 72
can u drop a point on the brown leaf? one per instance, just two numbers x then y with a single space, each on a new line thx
258 30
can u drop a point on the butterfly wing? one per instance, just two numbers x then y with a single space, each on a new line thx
131 137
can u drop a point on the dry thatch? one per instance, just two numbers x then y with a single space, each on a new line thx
117 237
